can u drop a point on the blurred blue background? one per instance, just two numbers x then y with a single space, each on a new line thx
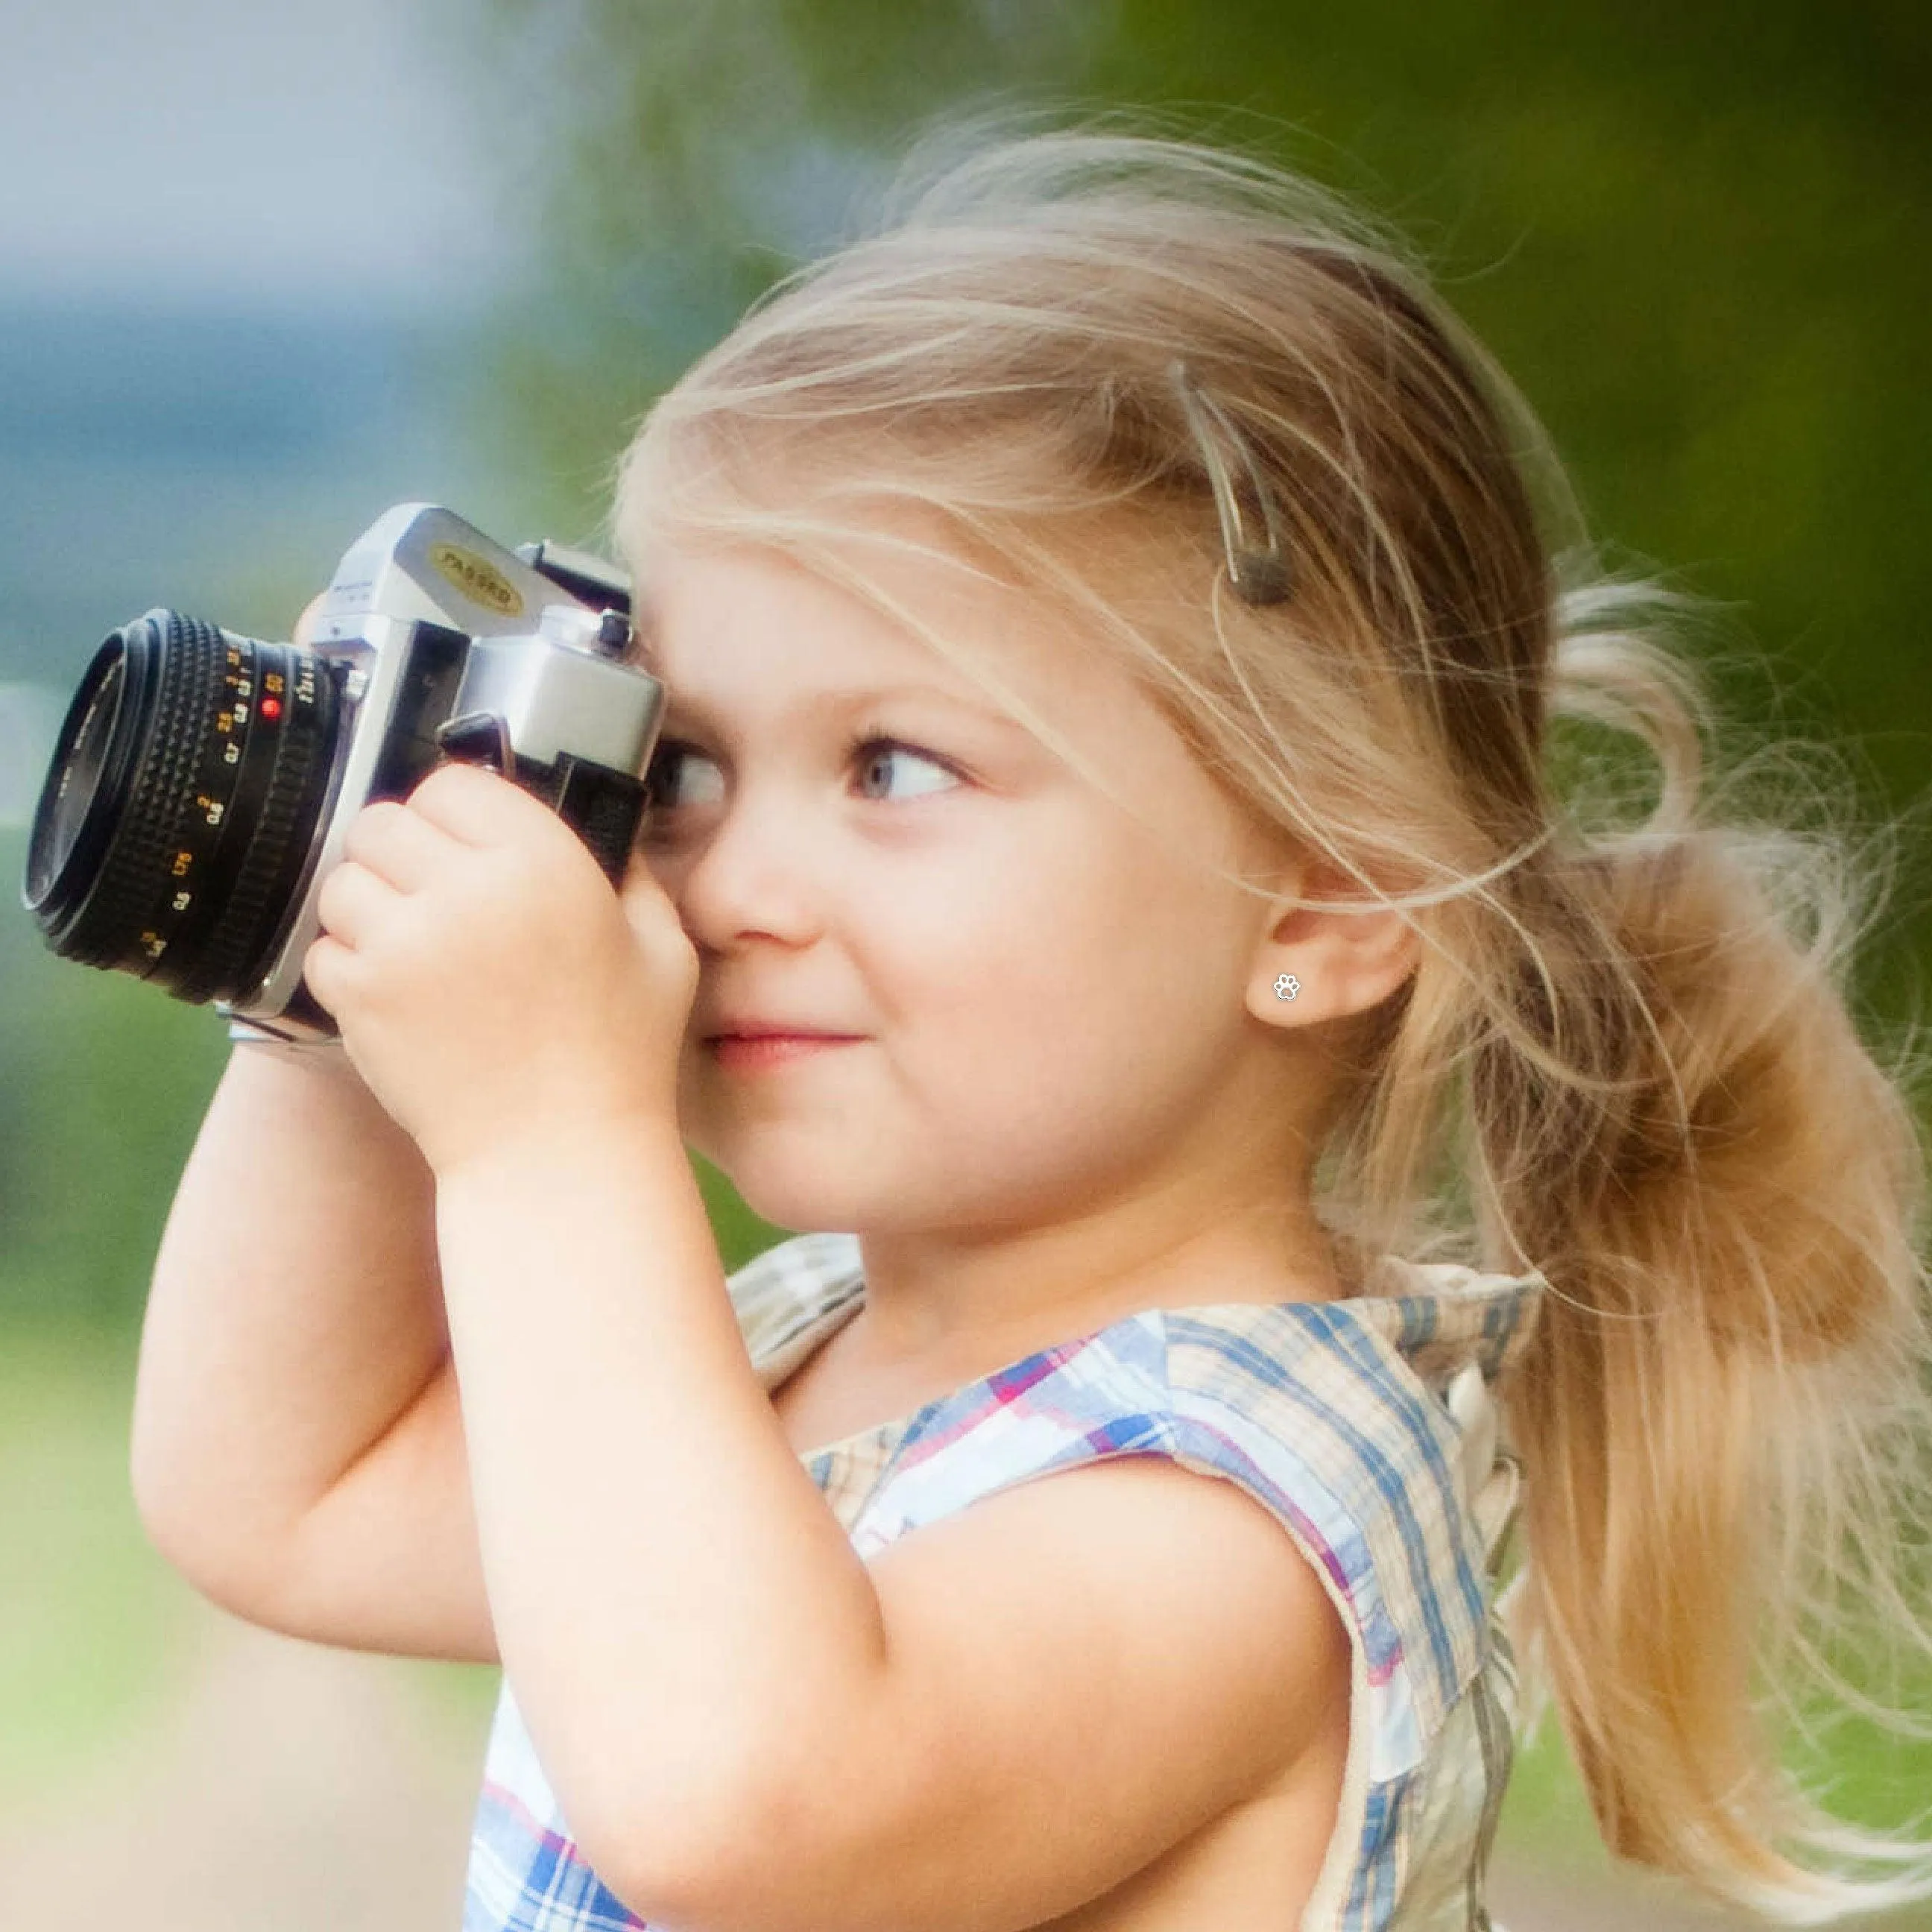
265 271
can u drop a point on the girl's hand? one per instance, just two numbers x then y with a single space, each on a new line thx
489 985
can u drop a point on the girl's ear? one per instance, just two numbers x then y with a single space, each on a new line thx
1326 950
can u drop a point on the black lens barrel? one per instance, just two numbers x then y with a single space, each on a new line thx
179 813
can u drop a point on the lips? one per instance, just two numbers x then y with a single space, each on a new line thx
743 1054
772 1030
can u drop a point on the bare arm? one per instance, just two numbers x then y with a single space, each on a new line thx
294 1334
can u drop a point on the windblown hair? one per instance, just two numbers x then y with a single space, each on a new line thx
1628 1058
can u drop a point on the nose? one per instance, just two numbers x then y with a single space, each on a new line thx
749 871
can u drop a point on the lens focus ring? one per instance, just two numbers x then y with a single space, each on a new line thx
168 688
179 815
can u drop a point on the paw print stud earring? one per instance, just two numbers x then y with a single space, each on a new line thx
1287 986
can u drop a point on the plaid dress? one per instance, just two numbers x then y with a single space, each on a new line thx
1364 1425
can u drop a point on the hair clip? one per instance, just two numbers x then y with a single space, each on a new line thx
1258 571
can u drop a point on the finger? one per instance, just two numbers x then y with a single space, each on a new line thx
328 967
399 845
475 807
353 902
648 909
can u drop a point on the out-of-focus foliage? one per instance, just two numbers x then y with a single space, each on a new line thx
105 1080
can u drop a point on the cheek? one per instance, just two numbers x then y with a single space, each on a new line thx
1063 1039
1073 947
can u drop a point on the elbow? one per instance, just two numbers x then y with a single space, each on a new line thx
720 1864
210 1564
162 1506
157 1510
165 1510
760 1826
172 1535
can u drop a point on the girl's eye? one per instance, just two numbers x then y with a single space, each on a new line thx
669 784
872 752
669 762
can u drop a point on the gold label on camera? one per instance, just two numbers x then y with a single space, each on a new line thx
477 578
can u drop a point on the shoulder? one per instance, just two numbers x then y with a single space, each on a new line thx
1339 1416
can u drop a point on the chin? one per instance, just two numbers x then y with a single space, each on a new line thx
805 1196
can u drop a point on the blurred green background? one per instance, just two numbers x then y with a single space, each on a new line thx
1697 236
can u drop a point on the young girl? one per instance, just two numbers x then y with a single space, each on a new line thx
1106 889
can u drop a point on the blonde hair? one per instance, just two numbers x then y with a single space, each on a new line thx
1626 1060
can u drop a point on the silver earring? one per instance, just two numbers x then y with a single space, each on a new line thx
1287 986
1257 569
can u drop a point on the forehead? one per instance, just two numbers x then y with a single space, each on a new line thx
728 629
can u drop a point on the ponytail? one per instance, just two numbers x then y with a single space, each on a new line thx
1716 1412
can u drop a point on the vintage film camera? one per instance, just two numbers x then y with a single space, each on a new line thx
203 783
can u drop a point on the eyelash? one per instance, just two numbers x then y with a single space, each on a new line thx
865 739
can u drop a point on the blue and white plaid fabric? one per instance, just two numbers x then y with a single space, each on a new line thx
1362 1424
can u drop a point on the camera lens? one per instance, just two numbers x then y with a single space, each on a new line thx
179 816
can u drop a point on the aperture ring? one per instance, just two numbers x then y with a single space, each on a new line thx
228 965
177 676
238 748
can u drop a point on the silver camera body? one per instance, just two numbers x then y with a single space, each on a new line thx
443 645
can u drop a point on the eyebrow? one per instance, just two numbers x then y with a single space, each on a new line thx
839 703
